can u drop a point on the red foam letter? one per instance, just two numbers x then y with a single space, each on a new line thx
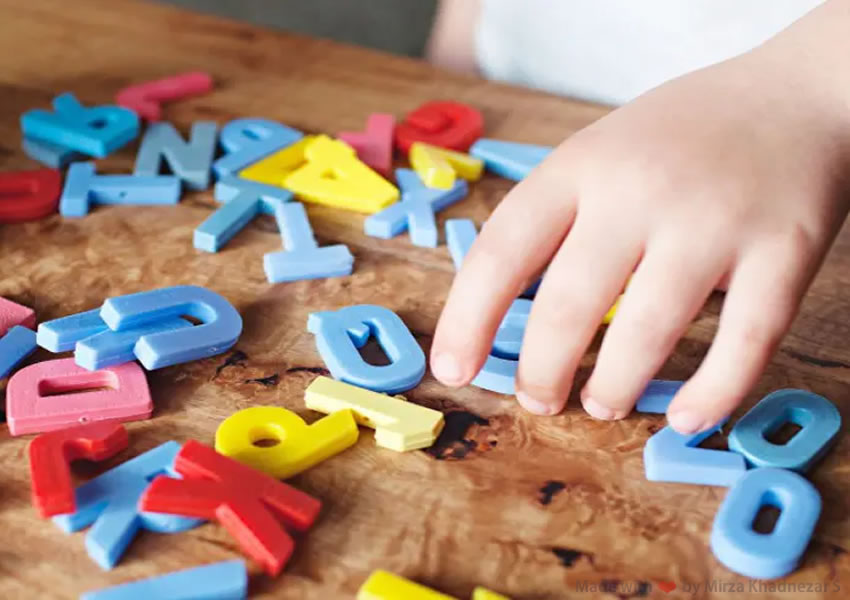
144 98
29 195
445 124
245 501
51 455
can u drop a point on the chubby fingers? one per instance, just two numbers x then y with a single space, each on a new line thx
764 294
582 281
516 242
669 287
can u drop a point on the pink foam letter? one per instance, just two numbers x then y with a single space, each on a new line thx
12 314
52 395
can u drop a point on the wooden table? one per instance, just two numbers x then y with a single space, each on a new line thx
536 508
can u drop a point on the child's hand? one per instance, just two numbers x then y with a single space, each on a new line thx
734 171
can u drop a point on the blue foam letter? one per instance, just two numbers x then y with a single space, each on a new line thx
303 259
671 456
15 346
220 328
657 396
109 347
61 335
219 581
248 140
109 501
52 155
95 131
499 371
509 159
765 555
83 186
191 161
818 418
460 234
243 200
415 211
340 333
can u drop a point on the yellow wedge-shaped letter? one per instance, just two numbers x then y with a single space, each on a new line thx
334 176
438 167
399 425
299 446
274 169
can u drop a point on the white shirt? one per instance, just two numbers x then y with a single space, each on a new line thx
611 51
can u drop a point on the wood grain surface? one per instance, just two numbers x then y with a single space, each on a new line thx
535 508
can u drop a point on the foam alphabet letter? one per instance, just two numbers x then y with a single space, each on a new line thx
383 585
49 154
17 340
109 502
246 502
415 211
15 346
95 131
276 167
13 314
375 145
765 555
61 335
29 195
499 371
47 396
509 159
191 161
243 200
83 186
219 581
657 396
299 446
109 347
671 456
248 140
440 123
340 333
220 326
818 418
460 235
438 167
144 98
50 455
399 425
303 259
334 176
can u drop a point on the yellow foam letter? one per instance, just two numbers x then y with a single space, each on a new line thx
383 585
299 446
274 169
333 175
437 167
480 593
399 425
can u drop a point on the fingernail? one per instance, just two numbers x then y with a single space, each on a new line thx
534 406
685 421
447 369
598 411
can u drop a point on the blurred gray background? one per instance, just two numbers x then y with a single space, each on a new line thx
399 26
